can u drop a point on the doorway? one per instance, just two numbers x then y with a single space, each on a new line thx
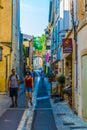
84 86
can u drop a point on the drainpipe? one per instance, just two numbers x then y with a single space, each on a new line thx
76 59
29 53
6 57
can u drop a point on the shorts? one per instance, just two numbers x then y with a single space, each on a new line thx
13 92
28 89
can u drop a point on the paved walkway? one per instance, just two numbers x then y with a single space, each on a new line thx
65 119
10 117
5 100
43 118
4 103
27 118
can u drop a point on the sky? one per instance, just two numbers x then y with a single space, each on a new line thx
34 16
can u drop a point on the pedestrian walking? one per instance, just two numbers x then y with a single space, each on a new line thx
28 88
33 74
13 87
42 75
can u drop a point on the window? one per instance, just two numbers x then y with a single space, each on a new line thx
27 51
47 47
0 53
85 5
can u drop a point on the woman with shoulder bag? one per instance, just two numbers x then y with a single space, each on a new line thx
28 88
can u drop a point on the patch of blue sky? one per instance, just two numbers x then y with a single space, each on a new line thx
34 16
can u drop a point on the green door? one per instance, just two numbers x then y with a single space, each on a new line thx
84 86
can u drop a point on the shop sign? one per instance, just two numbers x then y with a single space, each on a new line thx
54 87
67 45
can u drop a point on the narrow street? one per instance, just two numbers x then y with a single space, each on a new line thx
43 115
43 41
46 114
10 119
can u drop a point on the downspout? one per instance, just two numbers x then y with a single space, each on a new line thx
11 33
76 58
6 57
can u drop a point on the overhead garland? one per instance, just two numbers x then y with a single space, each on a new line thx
39 42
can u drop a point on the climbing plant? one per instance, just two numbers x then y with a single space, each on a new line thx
24 50
39 42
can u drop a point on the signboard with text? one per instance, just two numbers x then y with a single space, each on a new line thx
54 87
67 45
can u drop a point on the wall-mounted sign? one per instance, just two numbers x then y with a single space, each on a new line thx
67 45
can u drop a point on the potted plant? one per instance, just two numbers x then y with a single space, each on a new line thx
51 77
61 81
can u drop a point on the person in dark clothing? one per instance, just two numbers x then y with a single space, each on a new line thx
42 75
13 87
33 74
